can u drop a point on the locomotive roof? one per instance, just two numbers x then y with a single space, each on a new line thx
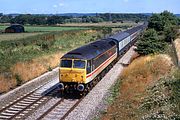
91 50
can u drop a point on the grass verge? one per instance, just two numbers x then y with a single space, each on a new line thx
114 92
137 90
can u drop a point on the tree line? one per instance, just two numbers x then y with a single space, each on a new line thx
162 29
57 19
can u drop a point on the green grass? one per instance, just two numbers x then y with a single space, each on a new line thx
33 31
3 27
45 28
114 91
101 24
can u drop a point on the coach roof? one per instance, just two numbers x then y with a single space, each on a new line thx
120 36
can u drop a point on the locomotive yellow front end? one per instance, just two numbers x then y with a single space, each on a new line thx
72 74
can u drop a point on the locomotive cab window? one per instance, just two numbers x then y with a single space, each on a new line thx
88 69
66 63
79 64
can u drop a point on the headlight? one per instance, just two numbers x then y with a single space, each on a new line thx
61 86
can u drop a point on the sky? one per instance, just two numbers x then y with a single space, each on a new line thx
88 6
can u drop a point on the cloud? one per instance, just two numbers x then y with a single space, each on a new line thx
58 5
55 6
126 0
61 4
34 9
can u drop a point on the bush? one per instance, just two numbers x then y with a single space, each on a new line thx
49 68
150 43
18 79
106 30
170 33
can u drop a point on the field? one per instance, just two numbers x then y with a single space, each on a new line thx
75 26
34 31
105 24
3 27
16 36
118 26
45 28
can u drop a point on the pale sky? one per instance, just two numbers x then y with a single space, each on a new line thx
88 6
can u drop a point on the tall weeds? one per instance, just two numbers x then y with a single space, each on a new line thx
142 73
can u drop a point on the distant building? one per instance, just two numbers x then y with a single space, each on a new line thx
16 28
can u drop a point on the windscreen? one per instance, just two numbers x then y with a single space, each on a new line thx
79 64
66 63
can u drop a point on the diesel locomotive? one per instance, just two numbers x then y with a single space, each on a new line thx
81 68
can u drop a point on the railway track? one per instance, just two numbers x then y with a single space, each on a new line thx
61 109
24 105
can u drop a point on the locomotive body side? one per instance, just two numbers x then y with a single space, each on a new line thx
93 59
101 62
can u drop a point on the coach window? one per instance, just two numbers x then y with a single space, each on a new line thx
88 67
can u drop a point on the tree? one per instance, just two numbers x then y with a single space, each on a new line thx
155 22
150 43
168 18
160 21
178 21
22 19
38 20
170 33
52 20
5 19
137 21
